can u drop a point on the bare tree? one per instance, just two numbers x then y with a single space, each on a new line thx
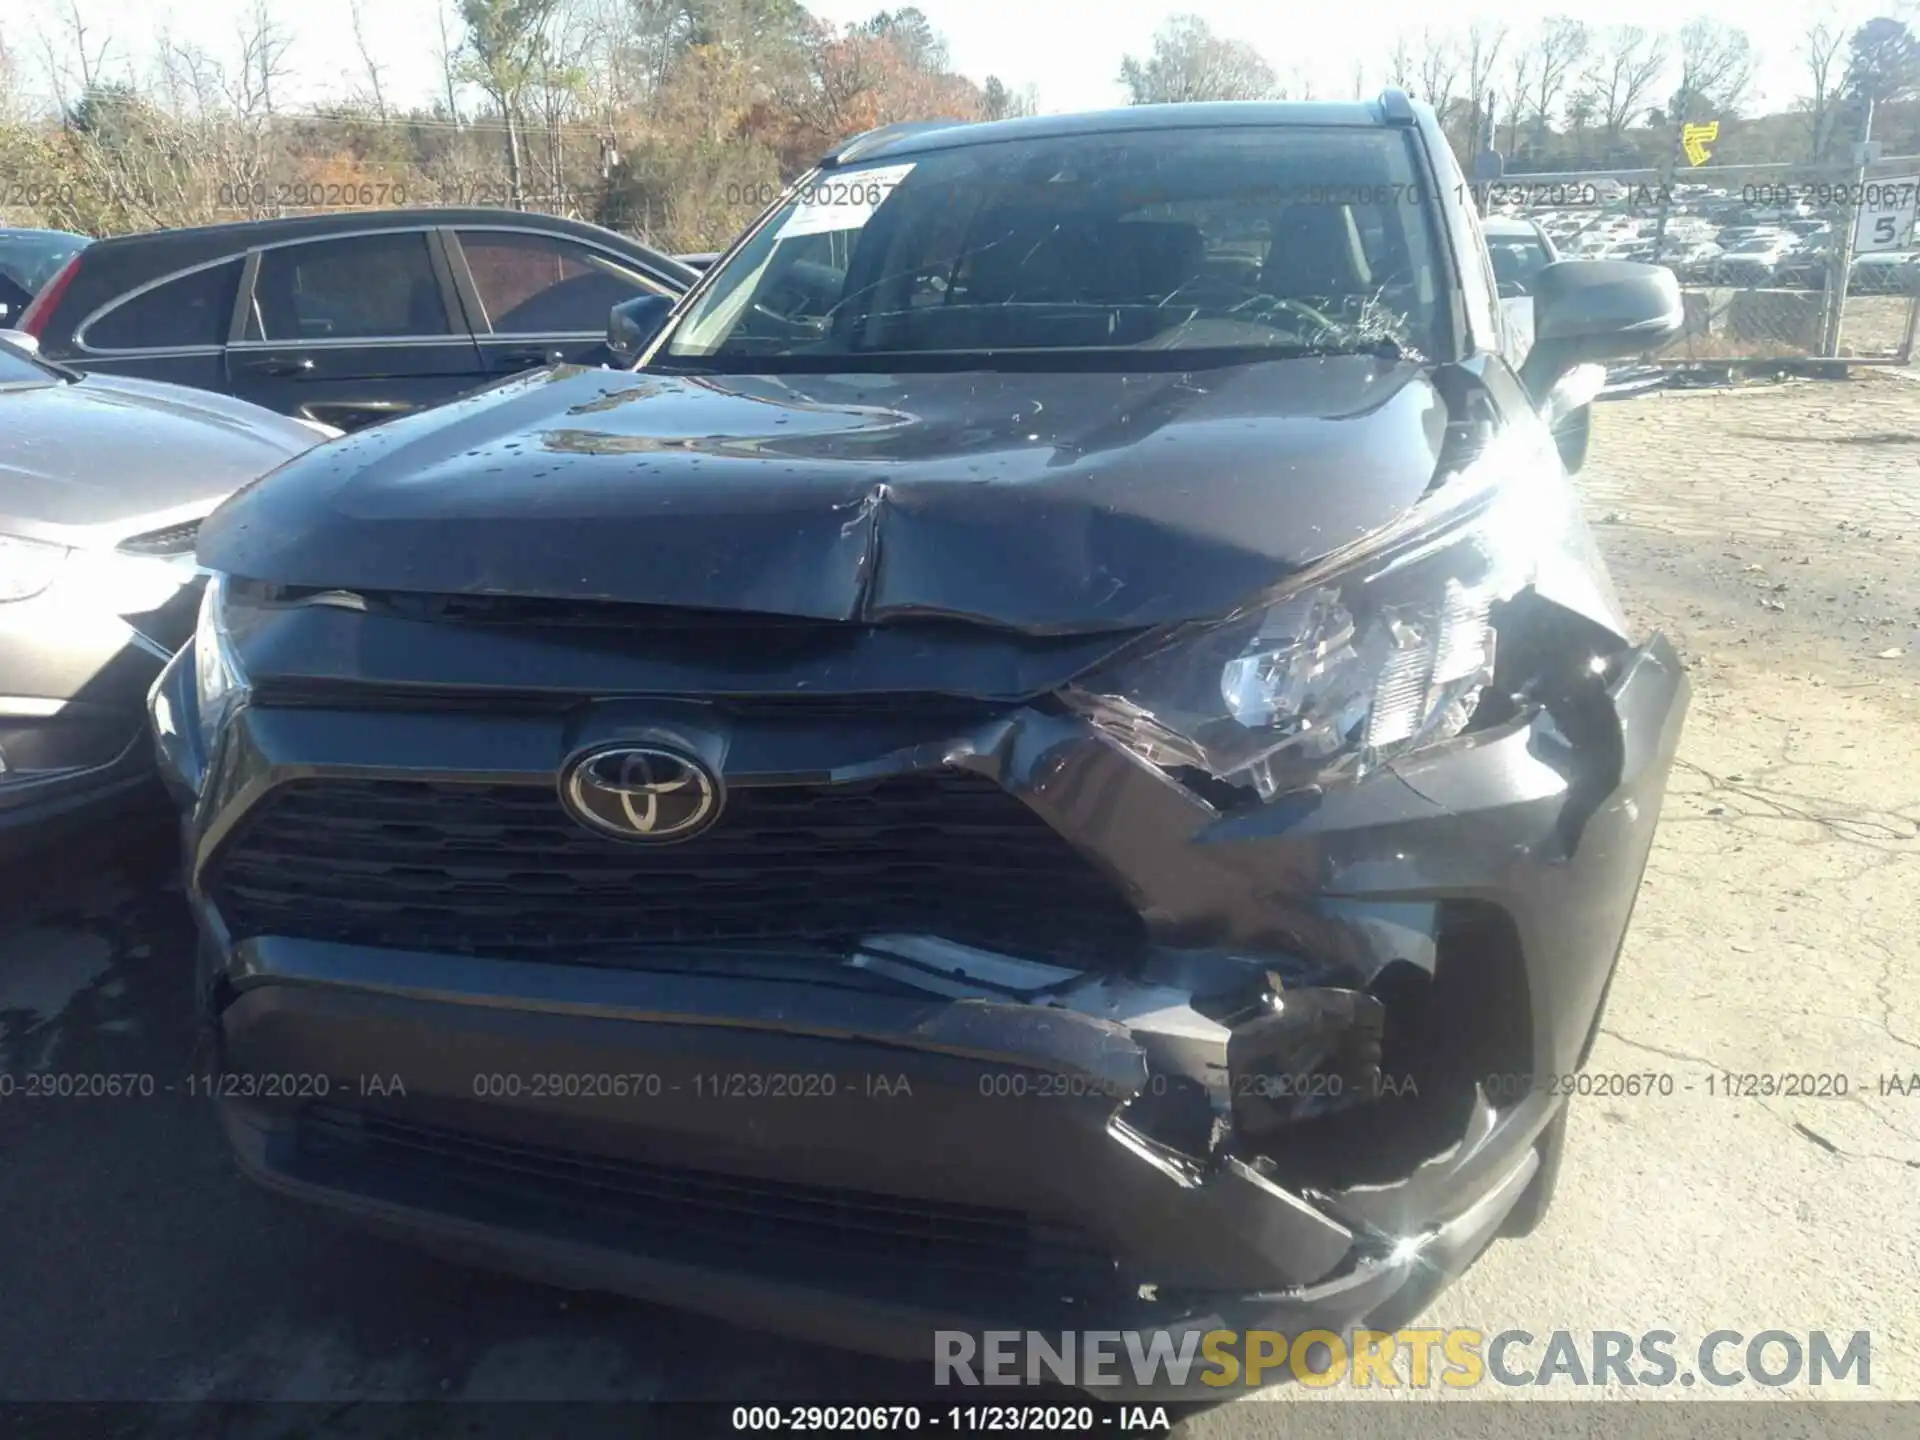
1822 44
1439 70
1562 46
1359 80
1621 78
506 40
376 94
88 60
263 61
1518 94
447 52
1189 62
1716 66
1400 68
1481 53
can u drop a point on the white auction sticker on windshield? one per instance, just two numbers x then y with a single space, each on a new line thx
843 202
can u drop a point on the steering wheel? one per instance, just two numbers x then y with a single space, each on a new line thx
1261 302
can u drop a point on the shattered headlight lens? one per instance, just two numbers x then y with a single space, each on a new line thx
1366 657
220 685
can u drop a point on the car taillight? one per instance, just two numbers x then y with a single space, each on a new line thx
40 309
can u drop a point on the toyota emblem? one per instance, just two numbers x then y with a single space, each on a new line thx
641 792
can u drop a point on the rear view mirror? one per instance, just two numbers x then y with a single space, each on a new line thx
632 324
1588 311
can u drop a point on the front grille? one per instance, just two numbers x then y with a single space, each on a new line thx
633 1204
502 870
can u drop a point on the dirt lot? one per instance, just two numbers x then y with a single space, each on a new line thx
1774 532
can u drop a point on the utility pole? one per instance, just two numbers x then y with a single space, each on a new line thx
1667 175
1840 269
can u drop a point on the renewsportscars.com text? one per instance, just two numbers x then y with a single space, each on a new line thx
1370 1359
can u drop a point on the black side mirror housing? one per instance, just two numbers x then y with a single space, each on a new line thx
1591 311
632 324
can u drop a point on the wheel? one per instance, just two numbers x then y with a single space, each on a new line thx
1531 1208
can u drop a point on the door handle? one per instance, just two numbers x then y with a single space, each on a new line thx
532 357
300 366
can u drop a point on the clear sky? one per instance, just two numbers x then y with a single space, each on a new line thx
1070 49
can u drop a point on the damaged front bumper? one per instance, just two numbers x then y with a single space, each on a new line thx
922 1136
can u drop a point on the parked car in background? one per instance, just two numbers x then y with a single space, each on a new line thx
1051 615
1804 266
103 482
1754 260
28 260
1888 272
1693 261
348 317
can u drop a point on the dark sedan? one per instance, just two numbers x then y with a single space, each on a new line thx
1058 754
103 483
350 317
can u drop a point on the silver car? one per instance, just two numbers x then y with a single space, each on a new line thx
103 483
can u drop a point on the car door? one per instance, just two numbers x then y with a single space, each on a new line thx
352 329
173 328
536 298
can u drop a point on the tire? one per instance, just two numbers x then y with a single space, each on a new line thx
1531 1208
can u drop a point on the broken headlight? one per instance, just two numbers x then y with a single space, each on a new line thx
1367 656
220 685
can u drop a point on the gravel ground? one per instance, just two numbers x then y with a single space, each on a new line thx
1773 532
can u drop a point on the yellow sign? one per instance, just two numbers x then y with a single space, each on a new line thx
1696 138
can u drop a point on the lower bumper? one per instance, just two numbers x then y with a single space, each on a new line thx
735 1150
466 1225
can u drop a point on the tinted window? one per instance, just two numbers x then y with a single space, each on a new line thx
1248 240
30 258
193 309
539 285
367 287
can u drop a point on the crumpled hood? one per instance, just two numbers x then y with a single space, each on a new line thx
1038 502
100 458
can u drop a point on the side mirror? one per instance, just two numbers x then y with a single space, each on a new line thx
1588 311
632 324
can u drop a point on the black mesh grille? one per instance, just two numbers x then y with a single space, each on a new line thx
502 870
631 1203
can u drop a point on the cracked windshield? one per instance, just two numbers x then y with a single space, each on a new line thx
1296 241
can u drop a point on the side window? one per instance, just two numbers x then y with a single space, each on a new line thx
192 309
544 285
358 288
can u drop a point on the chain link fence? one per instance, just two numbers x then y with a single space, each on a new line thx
1774 262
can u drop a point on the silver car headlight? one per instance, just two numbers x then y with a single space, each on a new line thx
27 567
220 685
1371 654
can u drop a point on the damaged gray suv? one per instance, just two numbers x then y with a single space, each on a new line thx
1056 753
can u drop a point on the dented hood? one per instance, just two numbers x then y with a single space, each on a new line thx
1038 502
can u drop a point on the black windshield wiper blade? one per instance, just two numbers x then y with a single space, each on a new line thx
1385 346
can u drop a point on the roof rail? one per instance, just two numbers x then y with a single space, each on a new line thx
867 141
1396 105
